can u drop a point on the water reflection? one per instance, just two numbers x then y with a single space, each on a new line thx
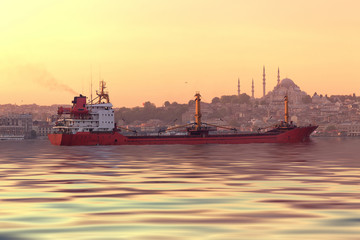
253 191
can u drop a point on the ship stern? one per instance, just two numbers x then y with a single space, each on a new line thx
59 139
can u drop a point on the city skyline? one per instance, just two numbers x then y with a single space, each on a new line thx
158 51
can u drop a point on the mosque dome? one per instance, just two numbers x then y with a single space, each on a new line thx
287 83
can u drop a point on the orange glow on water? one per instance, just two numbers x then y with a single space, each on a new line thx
252 191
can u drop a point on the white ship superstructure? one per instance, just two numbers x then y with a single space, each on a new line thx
87 117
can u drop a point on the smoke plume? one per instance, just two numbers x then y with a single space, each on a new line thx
44 78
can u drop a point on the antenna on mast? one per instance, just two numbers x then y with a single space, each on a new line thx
82 85
91 91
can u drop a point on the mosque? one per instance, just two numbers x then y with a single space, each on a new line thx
284 87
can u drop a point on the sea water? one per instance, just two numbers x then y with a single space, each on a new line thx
251 191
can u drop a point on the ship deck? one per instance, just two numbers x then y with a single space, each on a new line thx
230 135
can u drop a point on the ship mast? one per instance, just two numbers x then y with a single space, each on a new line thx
102 94
91 90
286 101
197 111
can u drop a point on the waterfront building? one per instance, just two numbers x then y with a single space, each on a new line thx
42 128
349 129
16 126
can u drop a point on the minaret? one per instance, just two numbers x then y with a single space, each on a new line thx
278 76
238 87
252 89
263 81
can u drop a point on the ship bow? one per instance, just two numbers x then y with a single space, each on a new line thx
300 134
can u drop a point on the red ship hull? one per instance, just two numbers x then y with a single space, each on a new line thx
299 134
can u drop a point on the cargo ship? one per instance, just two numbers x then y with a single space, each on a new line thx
93 123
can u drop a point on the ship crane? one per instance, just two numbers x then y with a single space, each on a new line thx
286 101
197 111
198 128
217 126
126 129
284 125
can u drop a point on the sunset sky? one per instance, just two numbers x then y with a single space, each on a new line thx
163 50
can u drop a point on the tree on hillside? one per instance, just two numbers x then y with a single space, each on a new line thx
150 111
167 104
235 99
215 100
149 105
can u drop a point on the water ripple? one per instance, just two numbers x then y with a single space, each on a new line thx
253 191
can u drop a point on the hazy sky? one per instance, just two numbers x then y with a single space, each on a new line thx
162 50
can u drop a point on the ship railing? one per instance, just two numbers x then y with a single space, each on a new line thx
69 116
77 119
